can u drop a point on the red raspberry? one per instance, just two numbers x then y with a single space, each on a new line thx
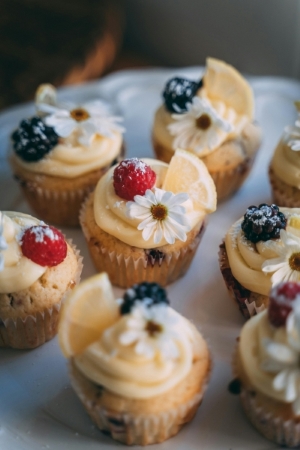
133 177
44 245
281 301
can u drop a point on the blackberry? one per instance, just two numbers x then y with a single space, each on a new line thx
33 139
263 222
178 92
149 293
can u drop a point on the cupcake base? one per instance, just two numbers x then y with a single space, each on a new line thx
142 422
33 325
56 200
126 265
282 193
249 303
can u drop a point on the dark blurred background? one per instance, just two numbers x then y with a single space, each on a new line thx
70 41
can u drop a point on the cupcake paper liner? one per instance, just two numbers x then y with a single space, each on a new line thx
240 295
36 329
126 271
133 429
55 206
227 181
273 427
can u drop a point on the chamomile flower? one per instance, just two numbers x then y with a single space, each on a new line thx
152 330
286 267
162 215
201 128
90 118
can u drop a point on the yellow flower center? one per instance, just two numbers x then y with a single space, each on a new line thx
294 261
153 328
159 212
203 122
79 114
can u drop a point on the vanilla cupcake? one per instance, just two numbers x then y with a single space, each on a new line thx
260 250
60 154
145 219
266 367
212 118
37 268
284 171
139 367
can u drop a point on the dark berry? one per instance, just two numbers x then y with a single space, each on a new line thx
281 301
44 245
149 293
263 222
178 93
133 177
33 139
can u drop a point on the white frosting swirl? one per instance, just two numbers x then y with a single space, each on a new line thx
19 272
70 159
286 164
117 365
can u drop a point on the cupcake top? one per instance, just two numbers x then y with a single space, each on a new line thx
286 159
145 347
67 140
263 247
148 203
27 248
269 347
199 116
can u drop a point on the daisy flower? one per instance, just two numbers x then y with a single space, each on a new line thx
3 243
161 215
286 267
292 136
88 119
283 360
152 330
200 128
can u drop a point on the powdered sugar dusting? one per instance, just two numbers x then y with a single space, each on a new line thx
137 163
40 232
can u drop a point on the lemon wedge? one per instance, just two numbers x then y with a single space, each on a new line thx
223 82
87 312
187 173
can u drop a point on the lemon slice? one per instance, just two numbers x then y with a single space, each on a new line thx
224 83
187 173
89 309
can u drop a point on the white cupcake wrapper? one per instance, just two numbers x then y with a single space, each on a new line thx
36 329
133 429
275 428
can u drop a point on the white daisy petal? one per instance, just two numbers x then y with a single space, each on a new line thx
173 226
187 132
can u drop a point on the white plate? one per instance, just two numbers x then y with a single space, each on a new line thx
38 409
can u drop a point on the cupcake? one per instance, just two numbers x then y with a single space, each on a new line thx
213 119
145 219
260 250
267 367
284 171
37 268
139 368
60 154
